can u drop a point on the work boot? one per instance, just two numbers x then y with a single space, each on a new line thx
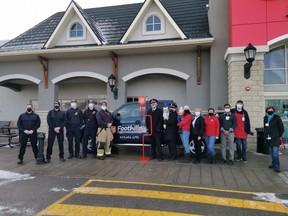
19 161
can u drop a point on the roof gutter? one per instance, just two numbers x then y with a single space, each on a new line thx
203 41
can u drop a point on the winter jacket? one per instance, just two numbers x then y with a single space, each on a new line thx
212 126
28 121
171 131
157 121
104 117
74 118
56 118
274 129
198 128
228 122
186 123
90 119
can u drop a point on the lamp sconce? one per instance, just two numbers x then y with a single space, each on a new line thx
112 85
250 53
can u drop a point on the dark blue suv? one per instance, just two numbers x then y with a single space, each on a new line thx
130 125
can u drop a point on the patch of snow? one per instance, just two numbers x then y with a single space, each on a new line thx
7 177
269 197
11 210
58 190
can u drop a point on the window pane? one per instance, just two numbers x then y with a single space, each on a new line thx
73 28
149 28
79 27
72 33
79 33
157 27
275 58
274 77
149 20
156 19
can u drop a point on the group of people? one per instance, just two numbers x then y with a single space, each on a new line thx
233 125
80 127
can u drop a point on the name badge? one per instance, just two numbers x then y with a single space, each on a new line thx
227 118
267 124
268 138
243 119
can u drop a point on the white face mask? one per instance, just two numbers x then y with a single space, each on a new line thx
91 106
103 107
227 110
154 105
239 106
74 105
197 113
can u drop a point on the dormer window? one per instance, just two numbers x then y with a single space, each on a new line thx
76 30
153 23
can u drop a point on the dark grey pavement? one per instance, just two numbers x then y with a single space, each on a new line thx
251 176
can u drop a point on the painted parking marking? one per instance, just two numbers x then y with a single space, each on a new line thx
63 207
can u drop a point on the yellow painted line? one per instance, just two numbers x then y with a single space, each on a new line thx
66 197
175 186
76 210
185 197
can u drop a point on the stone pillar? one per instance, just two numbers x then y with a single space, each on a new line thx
251 90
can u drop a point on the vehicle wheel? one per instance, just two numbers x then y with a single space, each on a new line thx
203 148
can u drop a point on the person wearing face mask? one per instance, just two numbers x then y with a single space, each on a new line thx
90 130
228 124
273 130
104 133
197 133
211 133
56 121
157 125
185 124
28 123
171 131
74 117
242 130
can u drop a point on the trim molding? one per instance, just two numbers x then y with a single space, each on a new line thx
156 71
20 76
80 74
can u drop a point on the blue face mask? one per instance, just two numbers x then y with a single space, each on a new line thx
270 112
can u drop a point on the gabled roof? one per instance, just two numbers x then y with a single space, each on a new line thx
109 24
139 16
90 24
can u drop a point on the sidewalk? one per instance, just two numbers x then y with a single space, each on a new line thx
251 176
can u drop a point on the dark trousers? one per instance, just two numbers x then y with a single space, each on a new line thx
197 144
89 132
156 149
172 149
23 143
51 137
76 134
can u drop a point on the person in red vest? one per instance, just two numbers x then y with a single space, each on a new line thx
242 130
211 133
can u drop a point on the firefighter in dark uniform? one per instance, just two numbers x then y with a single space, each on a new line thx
157 126
56 122
104 133
28 123
74 118
90 130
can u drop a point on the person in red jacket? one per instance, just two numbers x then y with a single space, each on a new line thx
211 133
185 124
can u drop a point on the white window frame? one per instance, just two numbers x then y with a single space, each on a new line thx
69 38
163 26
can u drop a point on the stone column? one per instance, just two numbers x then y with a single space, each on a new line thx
251 90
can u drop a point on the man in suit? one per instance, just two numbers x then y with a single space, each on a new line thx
157 125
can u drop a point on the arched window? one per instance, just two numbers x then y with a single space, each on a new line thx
76 30
153 23
275 66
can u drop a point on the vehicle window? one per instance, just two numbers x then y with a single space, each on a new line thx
131 110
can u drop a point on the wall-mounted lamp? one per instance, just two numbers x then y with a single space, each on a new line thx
250 53
112 84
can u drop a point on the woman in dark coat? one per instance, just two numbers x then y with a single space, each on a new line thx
197 133
273 130
171 130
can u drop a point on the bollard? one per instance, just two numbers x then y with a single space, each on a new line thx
40 157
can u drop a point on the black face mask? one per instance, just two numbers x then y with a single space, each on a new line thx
211 114
29 109
270 112
56 107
